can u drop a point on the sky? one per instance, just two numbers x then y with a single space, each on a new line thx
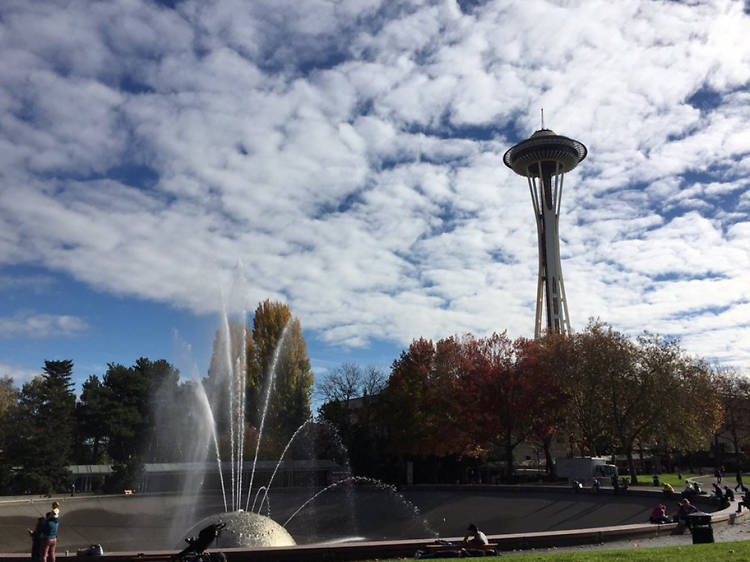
162 162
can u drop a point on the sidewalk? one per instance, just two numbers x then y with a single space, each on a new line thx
724 532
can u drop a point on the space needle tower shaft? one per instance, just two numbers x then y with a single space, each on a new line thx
543 159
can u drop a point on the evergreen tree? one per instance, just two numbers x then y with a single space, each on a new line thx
161 381
231 340
91 435
8 397
42 427
126 421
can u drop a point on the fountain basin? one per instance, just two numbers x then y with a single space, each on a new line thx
141 523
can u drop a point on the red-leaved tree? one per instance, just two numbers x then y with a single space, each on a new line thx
501 384
421 400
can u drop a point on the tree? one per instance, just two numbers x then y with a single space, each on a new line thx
695 409
232 365
342 384
91 434
350 381
675 403
59 406
351 401
501 390
41 428
734 391
8 397
161 381
550 416
627 395
128 395
583 358
421 402
283 363
267 360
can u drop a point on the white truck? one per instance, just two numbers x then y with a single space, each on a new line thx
585 469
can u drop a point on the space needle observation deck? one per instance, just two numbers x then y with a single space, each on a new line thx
544 159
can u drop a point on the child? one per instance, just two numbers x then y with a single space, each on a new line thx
37 538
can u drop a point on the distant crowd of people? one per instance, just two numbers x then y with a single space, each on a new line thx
725 496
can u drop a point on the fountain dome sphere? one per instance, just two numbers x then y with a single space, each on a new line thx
245 529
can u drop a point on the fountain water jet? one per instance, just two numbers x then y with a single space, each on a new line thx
269 386
369 481
249 527
243 528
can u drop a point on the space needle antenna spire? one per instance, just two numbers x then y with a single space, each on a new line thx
544 159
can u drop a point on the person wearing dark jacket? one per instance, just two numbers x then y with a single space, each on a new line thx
37 538
685 509
745 501
659 515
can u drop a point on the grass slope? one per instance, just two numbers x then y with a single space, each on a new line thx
719 552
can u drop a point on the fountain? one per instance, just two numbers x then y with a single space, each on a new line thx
243 527
242 502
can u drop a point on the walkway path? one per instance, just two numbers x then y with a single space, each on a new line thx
722 533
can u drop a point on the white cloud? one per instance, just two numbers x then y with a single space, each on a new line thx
347 159
20 375
34 325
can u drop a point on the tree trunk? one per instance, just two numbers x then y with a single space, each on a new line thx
717 448
548 459
96 452
508 456
631 467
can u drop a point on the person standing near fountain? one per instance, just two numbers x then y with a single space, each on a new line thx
50 533
37 538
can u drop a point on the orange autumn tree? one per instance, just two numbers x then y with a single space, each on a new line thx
421 397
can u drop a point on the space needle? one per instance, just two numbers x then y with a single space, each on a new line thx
543 159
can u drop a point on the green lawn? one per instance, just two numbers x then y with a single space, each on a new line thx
720 552
671 477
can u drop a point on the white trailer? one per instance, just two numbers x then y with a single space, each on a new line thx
585 469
